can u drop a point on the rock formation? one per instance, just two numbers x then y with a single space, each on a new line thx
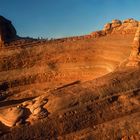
27 111
36 104
40 86
116 23
128 26
124 27
7 31
36 108
110 26
11 116
134 58
98 33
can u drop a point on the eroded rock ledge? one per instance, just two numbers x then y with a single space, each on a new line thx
128 26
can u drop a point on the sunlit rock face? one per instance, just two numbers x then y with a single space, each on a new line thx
49 63
134 58
127 26
7 31
116 38
59 86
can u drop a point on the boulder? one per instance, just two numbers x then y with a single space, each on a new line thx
11 116
128 26
98 34
107 27
36 105
116 23
7 31
129 20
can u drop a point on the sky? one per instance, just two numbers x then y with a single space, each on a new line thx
62 18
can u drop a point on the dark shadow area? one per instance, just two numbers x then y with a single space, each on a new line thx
113 99
26 114
3 96
3 90
3 129
136 92
70 84
13 102
4 86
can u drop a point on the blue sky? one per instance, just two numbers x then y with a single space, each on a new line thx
60 18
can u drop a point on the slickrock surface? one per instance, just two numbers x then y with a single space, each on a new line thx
106 107
11 116
72 88
134 58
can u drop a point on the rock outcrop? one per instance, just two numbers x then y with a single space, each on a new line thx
116 23
36 105
123 27
7 31
36 108
128 26
98 33
11 116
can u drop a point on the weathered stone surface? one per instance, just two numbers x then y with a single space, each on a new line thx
11 116
7 31
129 20
128 26
36 106
134 58
98 34
116 23
107 27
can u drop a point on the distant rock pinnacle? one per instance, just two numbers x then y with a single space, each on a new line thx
7 31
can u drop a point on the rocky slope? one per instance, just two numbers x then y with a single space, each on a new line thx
28 62
104 108
83 87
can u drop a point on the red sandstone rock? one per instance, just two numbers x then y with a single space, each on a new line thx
134 58
98 33
128 26
107 27
116 23
10 116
